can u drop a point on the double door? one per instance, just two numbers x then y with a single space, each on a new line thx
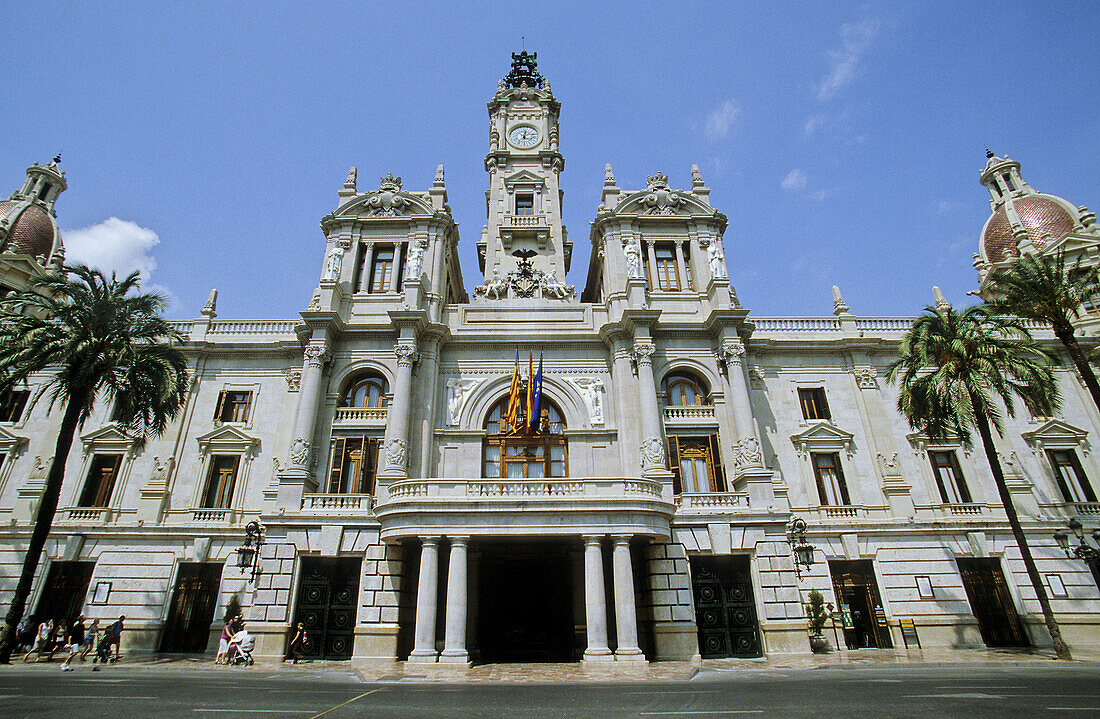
192 611
859 604
991 603
327 590
725 610
66 588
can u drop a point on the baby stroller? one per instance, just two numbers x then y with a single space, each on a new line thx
240 649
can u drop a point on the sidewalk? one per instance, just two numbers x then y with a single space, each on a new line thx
404 672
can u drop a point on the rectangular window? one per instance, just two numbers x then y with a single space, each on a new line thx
12 404
101 479
696 464
525 204
233 405
1072 481
813 403
221 482
354 465
382 269
525 458
949 478
664 276
832 490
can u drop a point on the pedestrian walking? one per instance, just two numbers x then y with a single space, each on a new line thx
223 642
41 640
75 642
90 638
57 638
297 643
114 633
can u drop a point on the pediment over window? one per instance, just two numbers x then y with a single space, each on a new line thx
108 438
227 439
525 177
9 441
922 443
822 436
1054 433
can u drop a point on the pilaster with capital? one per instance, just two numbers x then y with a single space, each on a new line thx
652 449
395 447
746 454
298 470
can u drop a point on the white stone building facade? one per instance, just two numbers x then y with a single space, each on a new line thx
647 517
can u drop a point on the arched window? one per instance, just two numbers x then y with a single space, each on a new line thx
365 390
525 456
683 390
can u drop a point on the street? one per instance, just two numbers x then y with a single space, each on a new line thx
1027 689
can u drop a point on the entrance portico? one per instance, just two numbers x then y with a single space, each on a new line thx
579 530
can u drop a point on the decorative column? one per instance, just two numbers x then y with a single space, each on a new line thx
624 381
595 605
454 647
681 274
398 266
626 617
653 443
747 446
396 465
424 633
651 251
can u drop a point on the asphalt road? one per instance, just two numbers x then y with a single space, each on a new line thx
1003 690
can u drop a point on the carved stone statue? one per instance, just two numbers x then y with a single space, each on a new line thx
746 453
653 453
495 287
552 289
161 469
416 258
333 260
457 391
40 469
716 258
889 465
591 390
299 452
633 258
397 454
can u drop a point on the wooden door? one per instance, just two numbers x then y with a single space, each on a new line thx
725 609
66 588
192 611
327 590
991 603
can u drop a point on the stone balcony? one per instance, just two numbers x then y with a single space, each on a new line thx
694 414
337 503
712 503
360 417
550 506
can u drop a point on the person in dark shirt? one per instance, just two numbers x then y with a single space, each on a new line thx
75 642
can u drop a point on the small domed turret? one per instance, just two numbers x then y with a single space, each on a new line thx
27 224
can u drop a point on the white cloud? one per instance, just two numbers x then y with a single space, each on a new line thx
113 245
813 123
844 62
720 119
795 180
819 195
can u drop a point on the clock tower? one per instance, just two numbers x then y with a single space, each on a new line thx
524 251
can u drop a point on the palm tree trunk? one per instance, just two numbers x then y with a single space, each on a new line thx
1069 339
43 520
1060 647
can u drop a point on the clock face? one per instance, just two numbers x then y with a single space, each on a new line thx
524 136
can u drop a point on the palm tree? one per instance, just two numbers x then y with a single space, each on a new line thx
91 337
1042 288
953 368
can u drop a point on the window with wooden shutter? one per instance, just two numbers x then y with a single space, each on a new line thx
719 470
354 465
949 477
674 463
1072 481
101 479
233 405
221 481
832 490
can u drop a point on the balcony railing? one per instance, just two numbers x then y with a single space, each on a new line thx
1087 507
550 487
712 502
212 515
360 416
90 515
523 220
842 512
689 413
336 502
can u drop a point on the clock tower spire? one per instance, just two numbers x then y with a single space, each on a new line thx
524 251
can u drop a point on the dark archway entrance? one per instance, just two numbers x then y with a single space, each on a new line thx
525 603
991 603
860 604
66 587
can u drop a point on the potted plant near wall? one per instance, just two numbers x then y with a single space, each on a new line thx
817 616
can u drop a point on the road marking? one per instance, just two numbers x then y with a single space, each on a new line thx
1073 709
349 701
962 695
680 691
711 712
257 711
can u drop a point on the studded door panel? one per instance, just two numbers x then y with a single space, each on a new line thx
725 610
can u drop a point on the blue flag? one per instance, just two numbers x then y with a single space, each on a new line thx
536 400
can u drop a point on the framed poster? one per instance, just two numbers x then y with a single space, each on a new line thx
102 592
1057 586
924 588
846 616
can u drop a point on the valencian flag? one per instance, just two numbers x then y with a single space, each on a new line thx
530 387
536 401
512 418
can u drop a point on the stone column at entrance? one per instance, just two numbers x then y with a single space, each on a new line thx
595 605
424 635
626 617
454 648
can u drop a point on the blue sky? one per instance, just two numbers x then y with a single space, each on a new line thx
843 141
